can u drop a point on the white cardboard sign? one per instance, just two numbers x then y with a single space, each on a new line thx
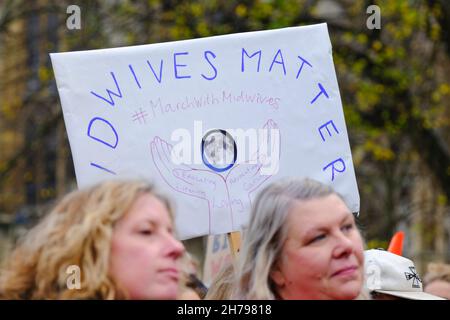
131 111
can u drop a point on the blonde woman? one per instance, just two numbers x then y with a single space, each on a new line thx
302 243
120 236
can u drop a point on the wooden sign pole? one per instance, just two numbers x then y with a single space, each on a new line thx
234 241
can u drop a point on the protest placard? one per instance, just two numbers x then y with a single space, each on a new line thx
210 120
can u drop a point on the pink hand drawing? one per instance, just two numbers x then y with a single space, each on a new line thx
226 196
245 178
199 183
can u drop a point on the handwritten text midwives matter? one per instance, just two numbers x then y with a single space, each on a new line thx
177 68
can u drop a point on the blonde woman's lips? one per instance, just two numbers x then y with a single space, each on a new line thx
172 273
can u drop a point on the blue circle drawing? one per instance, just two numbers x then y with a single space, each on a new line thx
218 147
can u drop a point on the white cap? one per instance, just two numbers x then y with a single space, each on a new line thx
388 273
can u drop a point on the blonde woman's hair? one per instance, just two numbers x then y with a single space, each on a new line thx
78 231
223 284
267 232
189 277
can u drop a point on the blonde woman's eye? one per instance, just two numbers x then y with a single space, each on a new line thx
348 227
146 232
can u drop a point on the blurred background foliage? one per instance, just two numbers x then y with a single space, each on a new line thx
394 83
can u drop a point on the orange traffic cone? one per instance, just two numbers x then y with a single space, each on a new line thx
396 244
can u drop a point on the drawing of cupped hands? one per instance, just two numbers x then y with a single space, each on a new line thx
226 193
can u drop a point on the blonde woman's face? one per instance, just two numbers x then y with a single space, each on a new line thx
144 252
323 255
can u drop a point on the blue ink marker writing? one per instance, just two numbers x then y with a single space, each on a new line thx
322 90
334 168
212 66
176 65
278 62
134 75
301 67
110 101
160 70
98 139
256 53
102 168
325 125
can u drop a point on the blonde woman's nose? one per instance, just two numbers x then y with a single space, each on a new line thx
175 247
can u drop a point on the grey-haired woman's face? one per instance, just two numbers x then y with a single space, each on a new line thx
323 255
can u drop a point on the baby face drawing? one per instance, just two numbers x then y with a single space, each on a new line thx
219 149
